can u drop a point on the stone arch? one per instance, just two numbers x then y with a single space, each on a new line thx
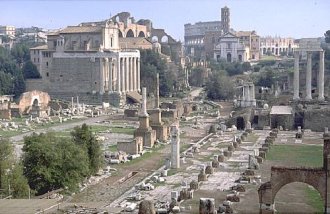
35 102
141 34
154 39
284 190
164 39
130 33
283 176
120 34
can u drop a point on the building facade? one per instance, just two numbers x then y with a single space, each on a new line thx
86 61
7 30
230 49
277 45
251 40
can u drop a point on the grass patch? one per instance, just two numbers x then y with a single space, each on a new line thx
314 199
297 155
148 155
129 131
184 147
112 148
99 128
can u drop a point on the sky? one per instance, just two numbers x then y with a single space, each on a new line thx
285 18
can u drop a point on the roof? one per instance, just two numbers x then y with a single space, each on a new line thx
41 47
244 33
286 110
81 29
133 42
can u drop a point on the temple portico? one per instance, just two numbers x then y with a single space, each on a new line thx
309 46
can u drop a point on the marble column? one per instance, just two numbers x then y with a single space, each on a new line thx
118 75
296 76
106 74
138 74
157 91
101 90
127 74
134 74
144 101
110 89
123 72
175 150
309 76
321 77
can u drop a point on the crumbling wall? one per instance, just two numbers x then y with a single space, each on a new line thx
317 119
27 99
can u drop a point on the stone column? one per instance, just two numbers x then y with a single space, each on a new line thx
309 76
138 74
127 75
118 75
110 75
296 76
72 105
321 77
175 145
248 98
123 75
78 105
157 91
144 101
102 75
134 74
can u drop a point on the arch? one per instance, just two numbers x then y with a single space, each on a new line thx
120 34
164 39
141 34
129 33
35 102
264 51
154 39
287 207
228 57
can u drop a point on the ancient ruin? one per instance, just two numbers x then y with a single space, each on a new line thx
280 176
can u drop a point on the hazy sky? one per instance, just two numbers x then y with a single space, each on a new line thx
295 18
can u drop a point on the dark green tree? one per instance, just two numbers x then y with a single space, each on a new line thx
327 36
51 163
84 137
30 70
219 87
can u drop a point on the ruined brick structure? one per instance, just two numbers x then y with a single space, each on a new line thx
280 176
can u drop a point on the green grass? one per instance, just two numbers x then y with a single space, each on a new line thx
128 131
266 57
184 147
297 155
148 155
314 199
112 148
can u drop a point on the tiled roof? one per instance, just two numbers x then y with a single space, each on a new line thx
81 29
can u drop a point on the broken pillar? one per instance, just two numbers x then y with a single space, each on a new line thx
202 175
231 148
175 147
147 207
144 130
209 169
215 162
207 206
194 185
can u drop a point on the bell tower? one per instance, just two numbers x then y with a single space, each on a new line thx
225 19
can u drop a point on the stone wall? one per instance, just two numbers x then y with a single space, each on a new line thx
27 99
134 147
317 119
77 75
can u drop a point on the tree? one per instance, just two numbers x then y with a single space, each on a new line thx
84 137
51 163
30 70
327 36
219 87
196 77
18 182
246 66
6 160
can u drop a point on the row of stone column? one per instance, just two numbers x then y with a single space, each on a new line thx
123 76
308 76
